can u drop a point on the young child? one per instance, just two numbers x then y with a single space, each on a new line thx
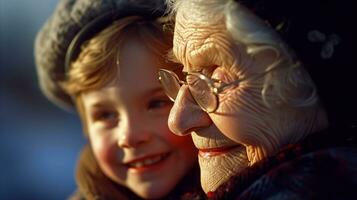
113 84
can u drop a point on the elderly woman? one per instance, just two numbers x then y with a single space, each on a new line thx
247 100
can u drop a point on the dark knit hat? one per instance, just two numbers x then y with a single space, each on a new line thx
321 32
72 22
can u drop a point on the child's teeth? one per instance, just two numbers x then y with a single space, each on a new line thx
136 164
148 161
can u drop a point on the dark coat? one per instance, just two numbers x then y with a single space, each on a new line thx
323 166
93 184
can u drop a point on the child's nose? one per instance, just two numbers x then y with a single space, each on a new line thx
132 133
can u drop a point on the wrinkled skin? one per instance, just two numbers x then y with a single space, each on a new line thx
126 122
242 121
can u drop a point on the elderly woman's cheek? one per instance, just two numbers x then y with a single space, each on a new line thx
238 116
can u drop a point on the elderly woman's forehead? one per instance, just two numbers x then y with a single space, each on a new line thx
195 11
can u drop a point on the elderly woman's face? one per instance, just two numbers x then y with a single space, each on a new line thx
230 138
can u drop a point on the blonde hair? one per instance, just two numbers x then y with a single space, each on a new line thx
98 61
291 83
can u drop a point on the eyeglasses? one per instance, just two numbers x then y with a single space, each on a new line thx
204 90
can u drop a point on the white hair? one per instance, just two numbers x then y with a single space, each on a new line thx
291 83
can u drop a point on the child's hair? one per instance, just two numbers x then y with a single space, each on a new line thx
98 61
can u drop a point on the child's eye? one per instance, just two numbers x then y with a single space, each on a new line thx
106 116
159 103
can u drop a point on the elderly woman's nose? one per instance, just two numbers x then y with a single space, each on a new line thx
186 116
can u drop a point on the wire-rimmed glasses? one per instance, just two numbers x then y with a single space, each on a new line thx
204 90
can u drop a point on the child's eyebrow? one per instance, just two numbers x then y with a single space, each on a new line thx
100 104
171 57
150 92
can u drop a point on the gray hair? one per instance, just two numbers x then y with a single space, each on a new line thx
291 83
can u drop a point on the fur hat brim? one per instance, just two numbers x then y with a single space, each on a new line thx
63 26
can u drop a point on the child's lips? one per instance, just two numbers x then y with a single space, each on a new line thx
146 162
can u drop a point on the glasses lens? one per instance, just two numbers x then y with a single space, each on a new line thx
201 92
170 83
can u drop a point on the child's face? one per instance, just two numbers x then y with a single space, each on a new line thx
127 125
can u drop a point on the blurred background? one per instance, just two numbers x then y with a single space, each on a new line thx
39 142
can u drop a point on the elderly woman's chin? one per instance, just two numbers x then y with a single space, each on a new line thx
217 168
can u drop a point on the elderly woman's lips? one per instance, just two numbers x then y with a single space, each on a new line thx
216 151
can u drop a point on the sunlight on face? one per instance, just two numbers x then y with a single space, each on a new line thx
127 125
229 139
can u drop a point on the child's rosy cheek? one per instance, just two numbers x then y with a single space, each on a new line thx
106 152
